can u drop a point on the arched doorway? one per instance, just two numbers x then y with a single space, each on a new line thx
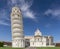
27 42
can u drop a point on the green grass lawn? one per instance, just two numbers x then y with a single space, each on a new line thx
48 48
9 48
37 48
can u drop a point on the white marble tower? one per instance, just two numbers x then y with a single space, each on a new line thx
17 28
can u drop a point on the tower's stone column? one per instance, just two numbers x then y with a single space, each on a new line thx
17 28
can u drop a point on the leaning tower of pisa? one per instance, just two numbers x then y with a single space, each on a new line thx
17 28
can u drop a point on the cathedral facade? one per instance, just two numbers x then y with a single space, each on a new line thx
38 40
18 38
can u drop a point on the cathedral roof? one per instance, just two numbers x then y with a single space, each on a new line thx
38 33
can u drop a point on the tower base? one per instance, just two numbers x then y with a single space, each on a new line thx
19 43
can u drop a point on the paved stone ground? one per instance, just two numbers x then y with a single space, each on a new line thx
30 48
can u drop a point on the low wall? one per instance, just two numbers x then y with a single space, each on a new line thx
57 44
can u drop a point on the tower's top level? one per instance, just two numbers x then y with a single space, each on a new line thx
16 10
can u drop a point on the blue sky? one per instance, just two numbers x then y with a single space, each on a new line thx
42 14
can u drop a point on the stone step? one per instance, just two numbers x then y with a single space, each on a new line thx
30 48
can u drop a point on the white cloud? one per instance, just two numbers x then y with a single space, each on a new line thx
48 25
4 23
30 14
49 11
24 7
13 1
3 17
55 13
3 14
